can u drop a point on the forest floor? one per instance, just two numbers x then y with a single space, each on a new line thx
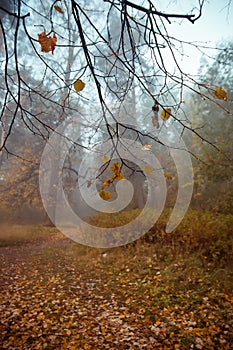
57 294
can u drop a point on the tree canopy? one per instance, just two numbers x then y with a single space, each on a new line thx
107 69
69 57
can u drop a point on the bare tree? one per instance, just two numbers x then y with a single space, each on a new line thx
118 48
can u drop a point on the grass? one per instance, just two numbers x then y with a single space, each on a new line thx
205 235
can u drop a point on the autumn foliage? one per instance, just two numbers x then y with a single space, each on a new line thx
220 94
47 43
116 176
174 292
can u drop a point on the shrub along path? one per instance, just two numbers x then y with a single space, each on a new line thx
56 294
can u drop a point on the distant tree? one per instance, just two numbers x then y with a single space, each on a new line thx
86 31
214 174
95 62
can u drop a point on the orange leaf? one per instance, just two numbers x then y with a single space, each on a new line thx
146 147
119 176
167 176
116 167
105 195
47 43
87 347
220 93
106 183
58 9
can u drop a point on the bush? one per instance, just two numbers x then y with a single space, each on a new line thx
203 232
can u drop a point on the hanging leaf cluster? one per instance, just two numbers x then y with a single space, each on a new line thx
117 173
116 176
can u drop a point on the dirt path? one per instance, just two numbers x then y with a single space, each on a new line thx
19 252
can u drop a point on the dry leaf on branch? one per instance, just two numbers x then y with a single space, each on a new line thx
47 43
105 159
105 195
167 176
79 85
165 114
146 147
154 118
220 94
58 9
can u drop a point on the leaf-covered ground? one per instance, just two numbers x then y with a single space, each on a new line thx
56 294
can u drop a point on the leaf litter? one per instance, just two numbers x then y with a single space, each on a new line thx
54 298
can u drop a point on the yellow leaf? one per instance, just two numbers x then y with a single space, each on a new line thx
105 159
167 176
220 94
106 183
165 114
116 167
87 347
79 85
119 176
105 195
68 332
146 147
142 311
103 329
148 169
58 9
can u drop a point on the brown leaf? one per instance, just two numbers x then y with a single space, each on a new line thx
58 9
167 176
79 85
89 183
154 118
155 121
47 43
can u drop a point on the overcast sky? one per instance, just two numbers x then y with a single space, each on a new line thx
215 25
